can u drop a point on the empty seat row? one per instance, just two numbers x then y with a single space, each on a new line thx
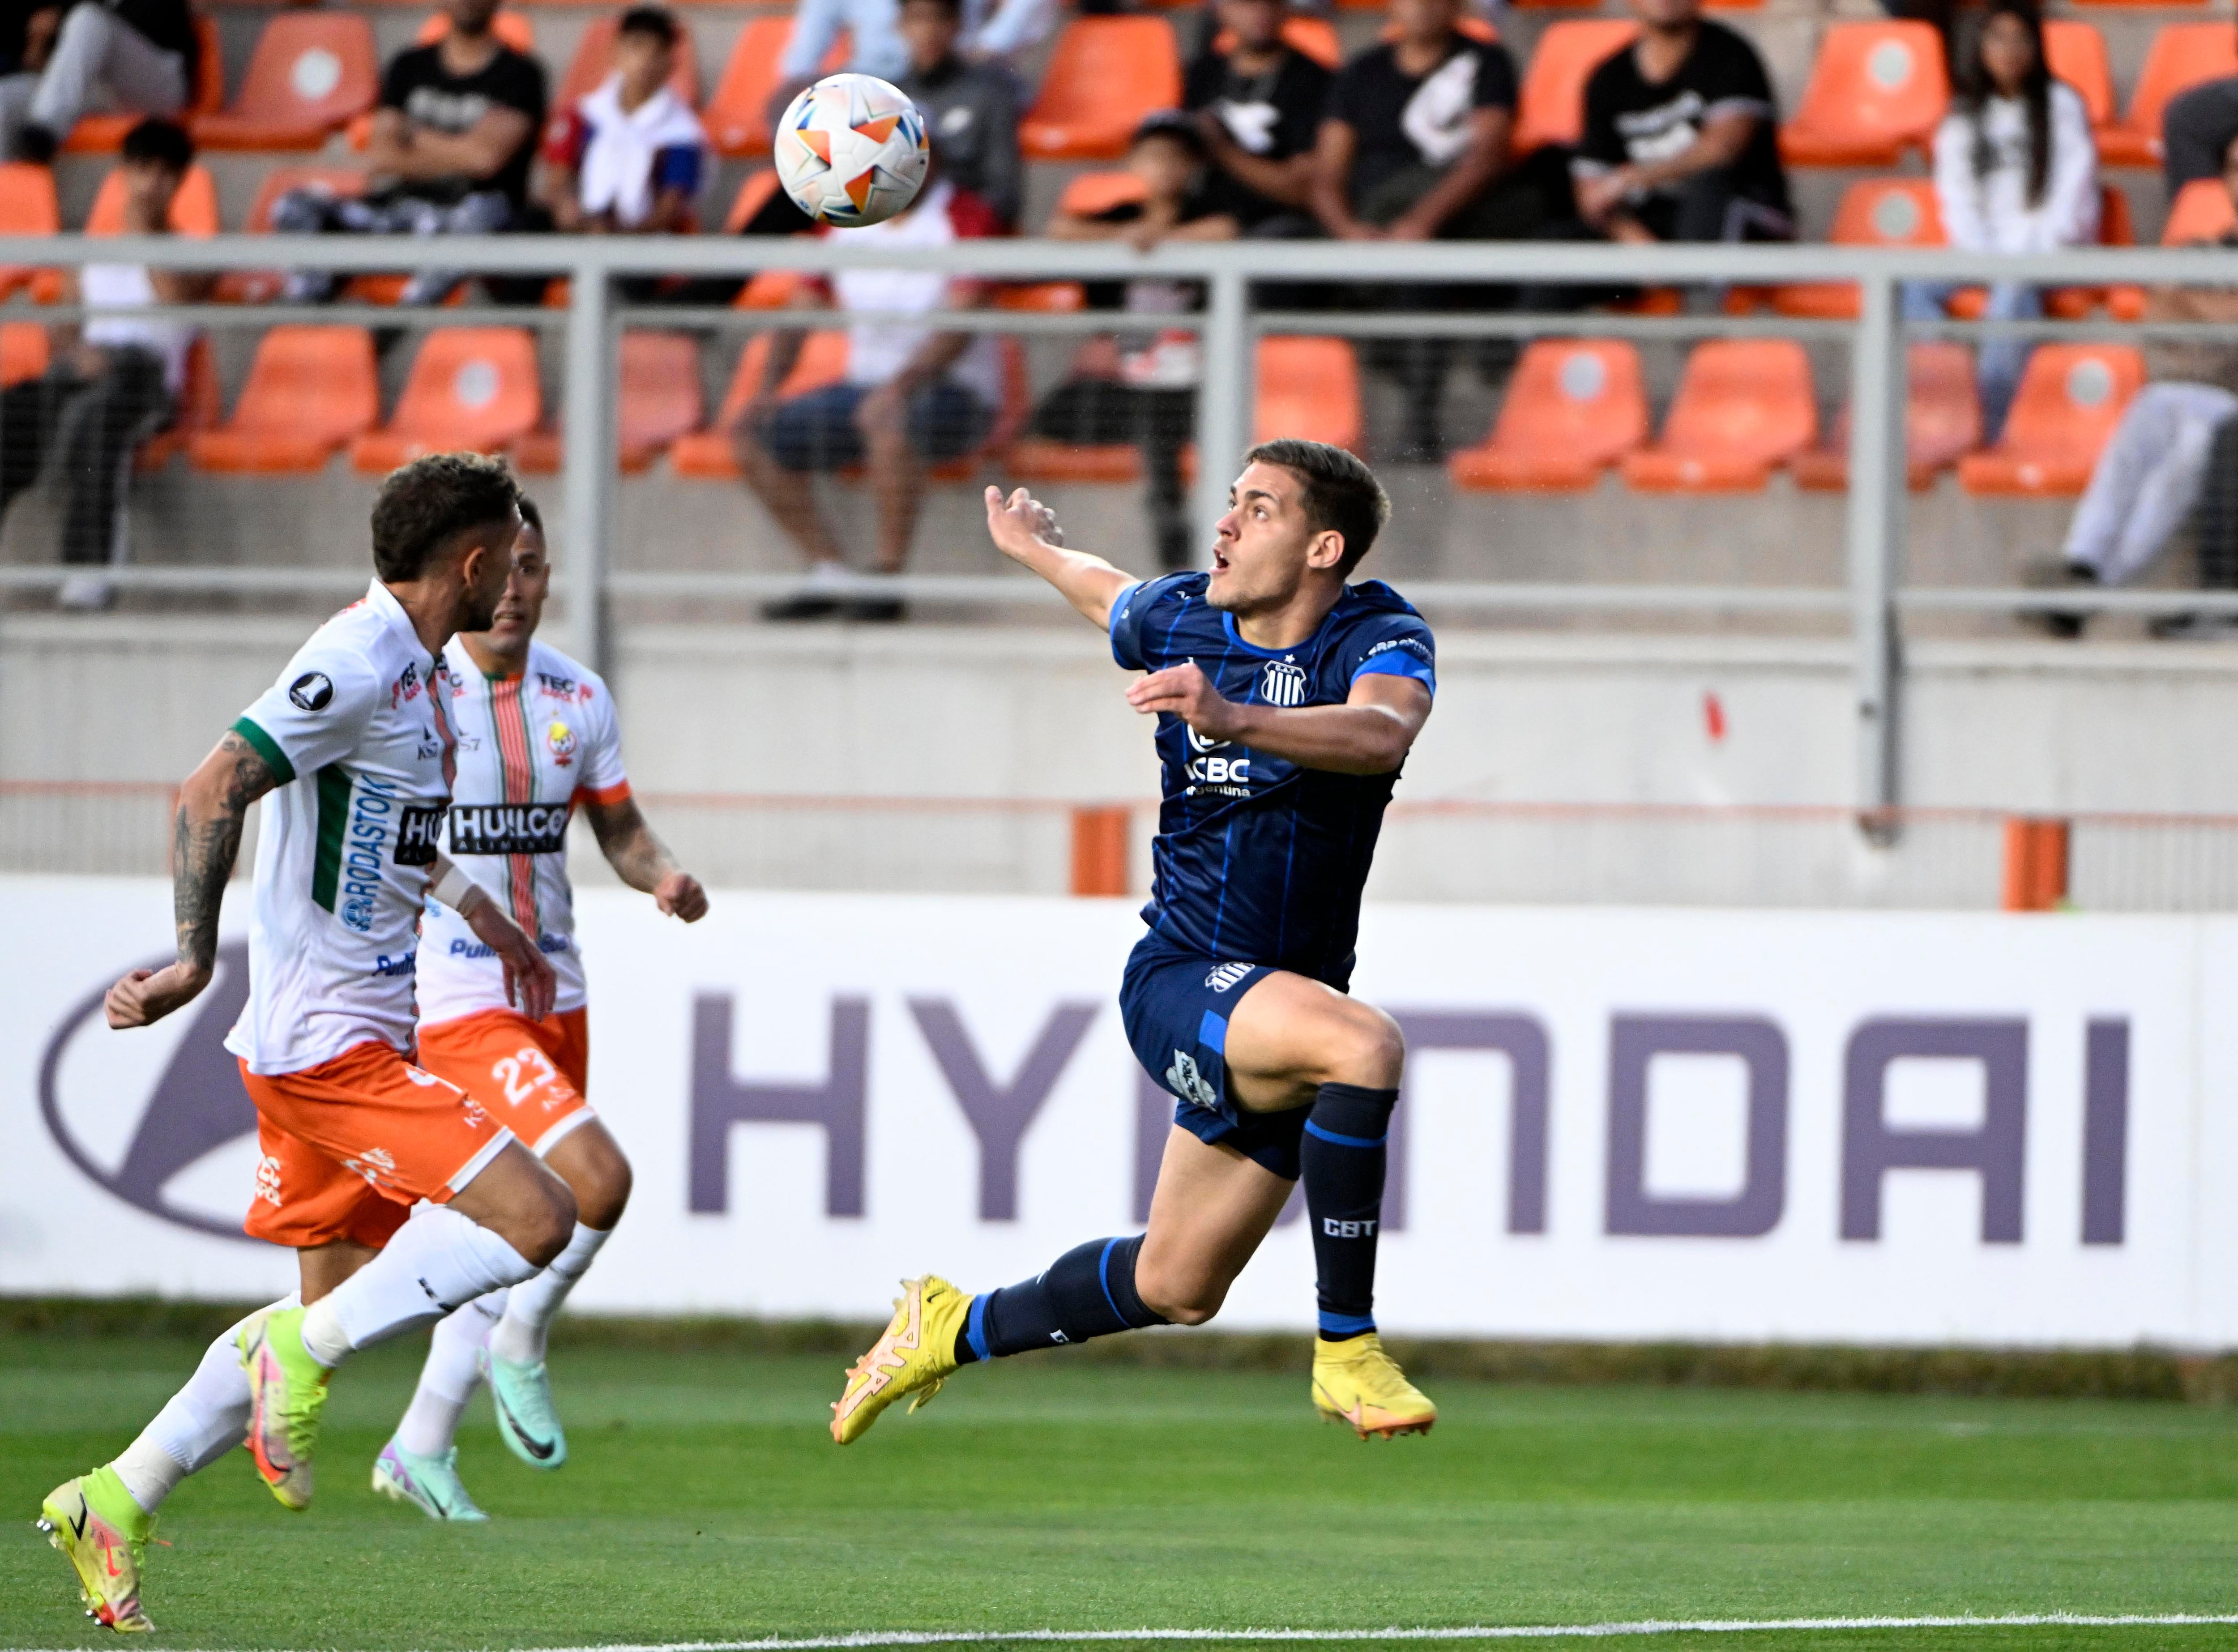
1744 407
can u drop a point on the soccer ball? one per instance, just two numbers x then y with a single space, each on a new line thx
851 150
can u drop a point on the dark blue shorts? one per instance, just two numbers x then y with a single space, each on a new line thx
1175 1005
817 431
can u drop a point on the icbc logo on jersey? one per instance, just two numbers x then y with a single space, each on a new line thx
561 739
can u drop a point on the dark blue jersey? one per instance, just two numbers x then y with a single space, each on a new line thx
1257 859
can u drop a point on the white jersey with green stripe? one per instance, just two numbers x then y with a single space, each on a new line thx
357 730
531 746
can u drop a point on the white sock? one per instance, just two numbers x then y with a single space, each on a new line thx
437 1261
198 1425
519 1335
448 1379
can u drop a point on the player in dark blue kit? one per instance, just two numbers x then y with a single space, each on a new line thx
1287 700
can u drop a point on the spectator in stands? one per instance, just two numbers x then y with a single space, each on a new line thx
1414 145
2154 470
1260 104
2196 131
118 385
910 397
138 56
2016 171
1141 388
453 139
1680 140
994 31
628 157
971 109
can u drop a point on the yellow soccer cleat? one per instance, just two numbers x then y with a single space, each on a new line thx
102 1534
287 1392
1355 1382
916 1355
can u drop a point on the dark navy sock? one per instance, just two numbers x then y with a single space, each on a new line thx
1341 1156
1087 1292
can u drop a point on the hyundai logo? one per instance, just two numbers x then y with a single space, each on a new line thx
195 1105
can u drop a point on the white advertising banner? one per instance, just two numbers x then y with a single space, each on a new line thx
1618 1124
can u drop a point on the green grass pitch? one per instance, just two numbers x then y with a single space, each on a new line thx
705 1502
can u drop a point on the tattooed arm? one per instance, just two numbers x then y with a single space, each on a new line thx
643 861
205 840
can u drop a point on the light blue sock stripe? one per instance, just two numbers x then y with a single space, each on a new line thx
1312 1129
974 1328
1345 1324
1104 1278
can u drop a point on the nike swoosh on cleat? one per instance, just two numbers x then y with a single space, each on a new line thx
77 1522
536 1449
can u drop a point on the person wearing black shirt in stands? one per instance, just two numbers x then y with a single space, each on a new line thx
1414 145
1679 140
58 60
453 137
1258 105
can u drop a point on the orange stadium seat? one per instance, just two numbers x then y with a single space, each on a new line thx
1574 406
1941 422
660 401
708 455
513 28
2181 55
1876 90
594 61
2201 211
470 386
1551 106
1105 74
1314 37
2075 52
312 73
2069 400
1743 405
24 352
1875 212
310 390
28 207
737 116
769 289
103 133
194 209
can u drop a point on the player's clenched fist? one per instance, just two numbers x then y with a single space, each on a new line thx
680 895
146 996
1187 692
1019 523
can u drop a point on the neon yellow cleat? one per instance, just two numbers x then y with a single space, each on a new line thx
915 1356
1355 1382
102 1534
287 1392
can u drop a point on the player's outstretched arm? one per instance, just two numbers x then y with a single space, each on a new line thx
214 803
530 984
642 860
1369 734
1025 531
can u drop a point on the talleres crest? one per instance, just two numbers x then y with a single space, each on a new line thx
851 150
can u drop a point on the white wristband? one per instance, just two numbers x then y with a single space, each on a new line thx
455 890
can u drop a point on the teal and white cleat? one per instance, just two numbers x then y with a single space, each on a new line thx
430 1484
523 1395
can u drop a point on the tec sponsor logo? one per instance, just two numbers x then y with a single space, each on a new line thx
312 692
562 688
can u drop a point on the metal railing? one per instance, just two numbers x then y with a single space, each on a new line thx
1872 596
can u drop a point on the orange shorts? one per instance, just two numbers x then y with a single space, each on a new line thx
352 1144
530 1074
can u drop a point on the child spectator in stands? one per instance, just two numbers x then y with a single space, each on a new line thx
1414 145
2016 171
138 56
2197 130
1141 388
971 109
910 396
118 385
1680 138
995 32
1260 104
453 140
2156 466
628 157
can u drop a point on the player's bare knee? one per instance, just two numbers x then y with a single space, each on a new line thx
1181 1296
602 1194
1370 1051
540 1218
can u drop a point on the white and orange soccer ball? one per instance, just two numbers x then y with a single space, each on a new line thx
851 150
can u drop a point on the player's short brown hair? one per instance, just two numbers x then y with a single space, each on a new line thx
422 506
1341 493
